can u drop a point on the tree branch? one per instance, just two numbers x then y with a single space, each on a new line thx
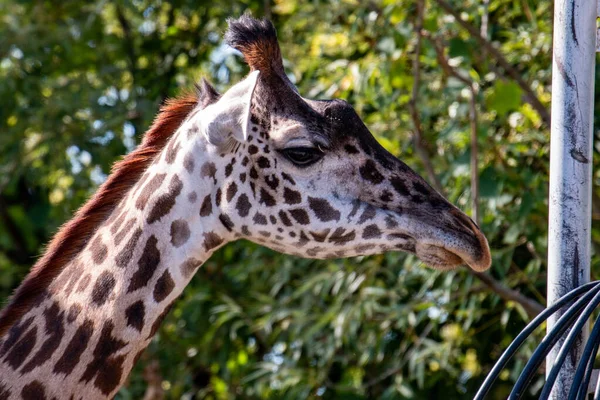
439 50
267 9
168 62
128 40
412 104
531 306
407 356
153 378
21 255
509 70
485 17
474 156
134 116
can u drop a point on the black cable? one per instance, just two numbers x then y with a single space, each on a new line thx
567 345
587 359
563 323
534 324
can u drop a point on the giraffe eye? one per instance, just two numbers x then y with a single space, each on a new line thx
303 156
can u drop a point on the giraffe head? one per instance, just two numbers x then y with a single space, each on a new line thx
306 177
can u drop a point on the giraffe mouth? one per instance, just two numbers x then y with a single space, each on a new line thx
438 257
444 258
463 245
444 246
460 242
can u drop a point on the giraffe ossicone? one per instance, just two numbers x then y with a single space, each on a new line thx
260 162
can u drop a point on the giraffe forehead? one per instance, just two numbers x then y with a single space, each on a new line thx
332 124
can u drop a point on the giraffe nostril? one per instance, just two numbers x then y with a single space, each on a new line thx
463 221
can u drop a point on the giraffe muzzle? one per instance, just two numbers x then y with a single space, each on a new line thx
466 245
450 240
450 257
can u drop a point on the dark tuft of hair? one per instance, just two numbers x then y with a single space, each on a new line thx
206 93
256 39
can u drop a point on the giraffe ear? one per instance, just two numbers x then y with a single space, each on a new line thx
230 116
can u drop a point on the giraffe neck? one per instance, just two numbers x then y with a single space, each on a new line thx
84 335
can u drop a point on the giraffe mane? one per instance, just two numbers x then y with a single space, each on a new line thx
73 235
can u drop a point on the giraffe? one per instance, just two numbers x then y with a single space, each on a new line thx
259 162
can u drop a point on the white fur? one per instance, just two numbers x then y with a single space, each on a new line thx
230 116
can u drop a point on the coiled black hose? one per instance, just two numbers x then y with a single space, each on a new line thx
581 303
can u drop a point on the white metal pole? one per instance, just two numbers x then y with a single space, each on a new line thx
573 67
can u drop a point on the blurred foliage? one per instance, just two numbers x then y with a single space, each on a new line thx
81 81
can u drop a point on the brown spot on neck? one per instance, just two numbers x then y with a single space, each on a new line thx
126 253
21 350
33 391
123 232
99 250
72 354
135 314
189 266
180 232
164 286
150 188
147 264
14 334
54 330
106 367
165 202
103 288
212 240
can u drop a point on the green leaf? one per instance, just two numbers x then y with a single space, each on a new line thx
459 48
504 97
